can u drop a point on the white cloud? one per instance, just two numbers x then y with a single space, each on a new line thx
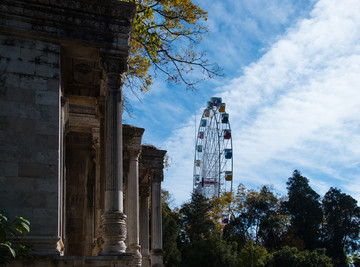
180 147
296 107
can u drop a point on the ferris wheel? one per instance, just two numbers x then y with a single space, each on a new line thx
213 161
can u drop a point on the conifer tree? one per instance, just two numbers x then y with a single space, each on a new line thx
304 208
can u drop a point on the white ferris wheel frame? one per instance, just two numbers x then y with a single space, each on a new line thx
210 165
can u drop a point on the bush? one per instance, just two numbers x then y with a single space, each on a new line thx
8 230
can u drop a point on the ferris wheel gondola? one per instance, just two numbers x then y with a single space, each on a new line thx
213 161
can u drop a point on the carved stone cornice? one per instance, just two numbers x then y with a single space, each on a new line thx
105 23
152 158
132 135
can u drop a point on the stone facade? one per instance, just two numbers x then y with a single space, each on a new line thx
29 117
66 163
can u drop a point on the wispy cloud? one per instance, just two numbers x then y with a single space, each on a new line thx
240 31
299 101
297 107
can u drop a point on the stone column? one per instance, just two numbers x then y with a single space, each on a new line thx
144 224
97 209
133 204
114 225
156 219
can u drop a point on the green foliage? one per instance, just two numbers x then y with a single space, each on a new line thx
171 230
196 221
304 208
210 253
252 255
10 229
259 218
220 206
341 227
235 231
285 257
291 256
265 230
164 36
356 259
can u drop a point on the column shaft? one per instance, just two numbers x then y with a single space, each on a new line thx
144 225
133 205
156 222
114 227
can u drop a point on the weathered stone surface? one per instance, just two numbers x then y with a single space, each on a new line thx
20 66
99 261
19 184
28 146
17 94
9 168
47 186
32 82
97 23
47 98
53 85
37 170
39 178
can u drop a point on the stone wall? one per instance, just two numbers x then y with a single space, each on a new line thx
33 34
62 68
29 132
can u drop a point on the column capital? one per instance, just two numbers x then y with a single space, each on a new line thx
113 62
134 151
114 83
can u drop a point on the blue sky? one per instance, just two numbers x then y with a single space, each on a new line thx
291 87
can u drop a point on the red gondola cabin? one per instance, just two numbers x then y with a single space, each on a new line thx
227 134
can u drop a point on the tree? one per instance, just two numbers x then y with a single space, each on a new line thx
273 223
303 206
252 255
220 209
258 218
171 230
196 221
210 253
342 225
165 36
291 256
235 231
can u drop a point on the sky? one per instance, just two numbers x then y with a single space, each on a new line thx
291 88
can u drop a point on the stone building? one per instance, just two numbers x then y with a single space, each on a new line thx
66 162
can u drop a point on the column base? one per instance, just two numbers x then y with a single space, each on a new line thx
114 233
157 258
134 249
145 259
41 245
